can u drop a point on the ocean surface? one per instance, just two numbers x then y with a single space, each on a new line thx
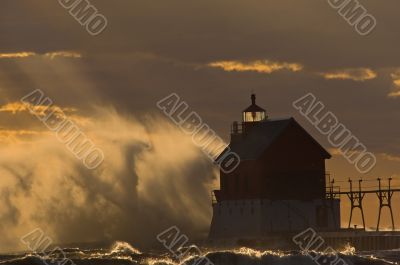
121 253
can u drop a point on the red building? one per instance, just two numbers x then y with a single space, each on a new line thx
279 160
279 184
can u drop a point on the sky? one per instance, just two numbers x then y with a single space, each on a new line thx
213 54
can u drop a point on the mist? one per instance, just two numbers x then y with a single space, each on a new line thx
152 177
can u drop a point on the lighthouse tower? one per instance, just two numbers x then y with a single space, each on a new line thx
279 185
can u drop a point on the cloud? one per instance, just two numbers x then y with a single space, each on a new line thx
396 84
384 156
16 55
65 54
48 55
41 110
390 157
355 74
394 94
18 136
259 66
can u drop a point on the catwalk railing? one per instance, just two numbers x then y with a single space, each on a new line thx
357 194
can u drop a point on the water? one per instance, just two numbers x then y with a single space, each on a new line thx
121 253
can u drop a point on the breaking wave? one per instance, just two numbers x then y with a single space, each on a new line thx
122 253
121 247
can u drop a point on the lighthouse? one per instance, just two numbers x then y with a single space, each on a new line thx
279 185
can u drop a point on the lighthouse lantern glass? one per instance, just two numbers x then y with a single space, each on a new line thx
253 116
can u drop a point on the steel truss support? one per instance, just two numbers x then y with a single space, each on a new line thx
385 200
356 201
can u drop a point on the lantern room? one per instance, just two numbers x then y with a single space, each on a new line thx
254 113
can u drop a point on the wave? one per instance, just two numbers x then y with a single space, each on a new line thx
248 256
121 247
122 253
